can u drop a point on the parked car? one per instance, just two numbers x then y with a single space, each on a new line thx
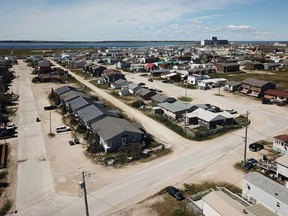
51 107
174 192
10 126
150 80
267 101
231 111
250 164
7 133
256 147
165 81
62 129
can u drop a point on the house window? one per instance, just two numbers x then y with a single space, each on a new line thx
278 204
109 143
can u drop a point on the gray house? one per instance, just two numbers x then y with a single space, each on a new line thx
79 102
118 84
160 98
132 88
255 87
70 95
176 109
232 86
92 113
115 133
209 119
64 89
145 94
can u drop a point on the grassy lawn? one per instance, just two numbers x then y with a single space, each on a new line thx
278 77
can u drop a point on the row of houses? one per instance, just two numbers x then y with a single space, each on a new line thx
113 131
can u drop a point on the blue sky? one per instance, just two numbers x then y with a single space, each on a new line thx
95 20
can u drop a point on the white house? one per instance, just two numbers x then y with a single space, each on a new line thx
260 189
193 79
282 167
280 143
210 83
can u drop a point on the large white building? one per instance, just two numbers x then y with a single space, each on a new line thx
259 189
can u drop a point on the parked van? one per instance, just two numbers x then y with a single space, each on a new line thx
62 129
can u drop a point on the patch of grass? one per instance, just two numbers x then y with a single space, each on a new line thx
192 189
280 78
101 86
186 99
51 134
170 206
5 208
144 75
11 111
3 174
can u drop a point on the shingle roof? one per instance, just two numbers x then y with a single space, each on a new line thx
282 137
93 111
283 94
254 82
267 185
73 94
64 89
176 106
209 116
283 160
110 127
79 102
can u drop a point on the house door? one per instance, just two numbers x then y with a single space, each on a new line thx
124 140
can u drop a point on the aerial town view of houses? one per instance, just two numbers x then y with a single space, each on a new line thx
136 108
126 109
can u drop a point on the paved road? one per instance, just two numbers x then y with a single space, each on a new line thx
189 158
35 191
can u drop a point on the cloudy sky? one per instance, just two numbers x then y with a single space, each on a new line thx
95 20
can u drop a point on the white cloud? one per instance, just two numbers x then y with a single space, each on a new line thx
240 28
116 20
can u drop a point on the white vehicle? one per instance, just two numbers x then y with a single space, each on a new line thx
10 126
62 129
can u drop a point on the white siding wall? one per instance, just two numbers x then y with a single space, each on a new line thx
209 211
264 198
282 170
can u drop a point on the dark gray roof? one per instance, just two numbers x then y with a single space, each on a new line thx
160 98
73 94
110 127
92 112
233 83
176 106
133 86
64 89
254 82
79 102
229 64
269 186
143 91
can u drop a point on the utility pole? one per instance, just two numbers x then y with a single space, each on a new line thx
50 121
85 194
219 82
185 117
245 138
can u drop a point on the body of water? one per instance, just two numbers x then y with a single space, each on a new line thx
116 44
57 45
